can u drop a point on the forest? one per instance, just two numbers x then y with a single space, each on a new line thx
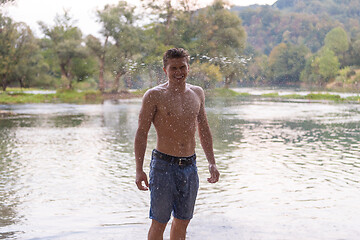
309 44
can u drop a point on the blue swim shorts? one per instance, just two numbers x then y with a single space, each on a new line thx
174 184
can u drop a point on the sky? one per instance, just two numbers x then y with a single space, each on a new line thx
83 11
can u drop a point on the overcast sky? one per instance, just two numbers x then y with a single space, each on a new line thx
32 11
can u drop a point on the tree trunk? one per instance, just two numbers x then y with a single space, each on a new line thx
3 82
66 77
63 75
228 80
116 84
102 68
21 81
128 81
69 86
101 74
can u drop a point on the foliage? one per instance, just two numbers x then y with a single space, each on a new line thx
267 27
20 58
286 61
205 75
337 41
99 51
290 43
64 41
257 70
352 56
222 38
7 49
345 12
328 64
118 23
343 75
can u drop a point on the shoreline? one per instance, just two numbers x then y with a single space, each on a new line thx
277 95
96 97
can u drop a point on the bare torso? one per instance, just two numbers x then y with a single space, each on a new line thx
175 120
176 109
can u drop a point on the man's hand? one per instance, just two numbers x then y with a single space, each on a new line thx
140 178
214 174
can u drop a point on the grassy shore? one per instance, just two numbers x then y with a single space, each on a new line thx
221 92
17 96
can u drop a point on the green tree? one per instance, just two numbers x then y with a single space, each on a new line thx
310 75
151 59
206 75
66 43
286 61
337 41
118 23
355 52
320 68
221 38
328 64
267 26
99 50
8 38
164 13
29 62
257 70
18 52
173 26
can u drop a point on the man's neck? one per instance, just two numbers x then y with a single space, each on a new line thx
177 87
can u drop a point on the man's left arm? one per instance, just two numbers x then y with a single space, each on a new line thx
206 140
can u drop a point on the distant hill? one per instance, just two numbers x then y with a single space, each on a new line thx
298 21
345 11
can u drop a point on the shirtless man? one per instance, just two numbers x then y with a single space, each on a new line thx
176 109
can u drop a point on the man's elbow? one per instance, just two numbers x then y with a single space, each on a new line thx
141 133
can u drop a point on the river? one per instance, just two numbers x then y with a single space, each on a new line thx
289 170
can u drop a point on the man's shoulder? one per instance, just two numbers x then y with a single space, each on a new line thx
154 92
198 90
194 88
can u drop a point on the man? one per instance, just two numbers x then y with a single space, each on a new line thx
176 109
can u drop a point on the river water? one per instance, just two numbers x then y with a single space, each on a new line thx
289 170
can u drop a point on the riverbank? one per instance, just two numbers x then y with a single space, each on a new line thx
78 97
96 97
279 95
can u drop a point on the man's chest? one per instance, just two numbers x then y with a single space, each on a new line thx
179 107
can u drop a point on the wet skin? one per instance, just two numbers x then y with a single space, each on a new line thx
176 109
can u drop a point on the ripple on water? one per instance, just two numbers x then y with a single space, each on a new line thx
288 171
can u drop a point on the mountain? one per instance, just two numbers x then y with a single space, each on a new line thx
298 21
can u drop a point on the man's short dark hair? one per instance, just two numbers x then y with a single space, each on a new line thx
175 53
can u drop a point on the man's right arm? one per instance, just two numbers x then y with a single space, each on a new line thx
146 116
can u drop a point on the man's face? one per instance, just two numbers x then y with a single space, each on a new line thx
176 69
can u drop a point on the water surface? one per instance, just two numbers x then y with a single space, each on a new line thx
289 170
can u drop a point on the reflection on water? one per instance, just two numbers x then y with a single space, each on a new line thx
289 171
